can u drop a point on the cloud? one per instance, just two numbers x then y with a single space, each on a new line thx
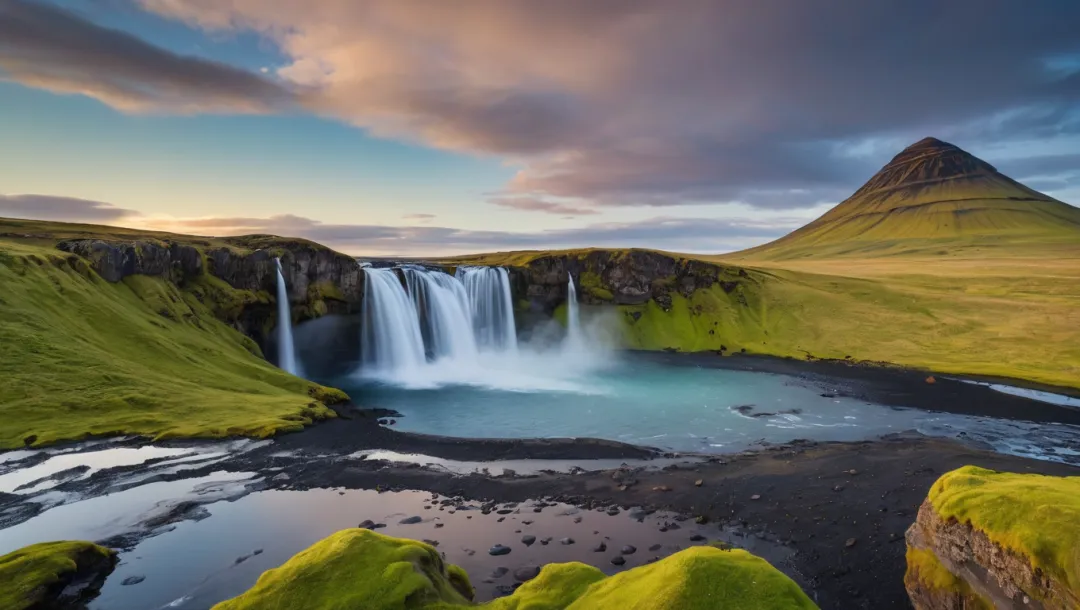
608 102
50 48
419 217
49 207
644 103
538 204
680 234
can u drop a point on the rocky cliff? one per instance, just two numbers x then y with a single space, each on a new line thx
319 280
986 539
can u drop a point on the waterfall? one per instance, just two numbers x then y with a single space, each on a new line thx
443 309
390 339
488 289
573 320
286 351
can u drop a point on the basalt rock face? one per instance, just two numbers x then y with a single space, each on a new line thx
319 280
614 277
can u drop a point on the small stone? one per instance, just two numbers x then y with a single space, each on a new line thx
257 552
614 510
701 520
600 548
628 549
499 572
698 483
697 538
755 497
566 541
367 524
241 559
500 519
931 380
577 519
528 540
411 520
853 472
499 549
470 552
504 590
431 542
545 541
655 547
438 525
527 573
850 543
504 511
280 477
618 560
132 580
661 488
838 488
526 522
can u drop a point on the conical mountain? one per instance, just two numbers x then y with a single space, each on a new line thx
933 196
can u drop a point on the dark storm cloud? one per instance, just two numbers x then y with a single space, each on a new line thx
51 48
48 207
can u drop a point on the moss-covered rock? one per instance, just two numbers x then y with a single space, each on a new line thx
53 574
998 539
362 569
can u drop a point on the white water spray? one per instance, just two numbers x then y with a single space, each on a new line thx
390 341
286 351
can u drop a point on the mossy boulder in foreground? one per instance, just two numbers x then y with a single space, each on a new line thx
53 574
359 568
986 539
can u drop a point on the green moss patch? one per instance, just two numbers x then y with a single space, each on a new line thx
29 575
1035 516
363 569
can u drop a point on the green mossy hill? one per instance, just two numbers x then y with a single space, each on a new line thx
33 576
1035 516
80 356
360 568
931 196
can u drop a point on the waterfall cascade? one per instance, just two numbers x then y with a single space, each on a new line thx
390 338
286 350
573 319
444 312
492 306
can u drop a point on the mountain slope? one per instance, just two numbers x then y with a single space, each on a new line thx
932 198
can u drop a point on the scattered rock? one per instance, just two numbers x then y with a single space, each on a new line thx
469 552
850 543
411 520
566 541
280 477
545 541
614 510
853 472
931 379
438 525
618 560
838 488
528 540
701 519
132 580
500 519
366 524
499 549
257 552
655 547
504 511
431 542
698 483
696 538
241 559
526 522
577 519
755 497
661 488
499 572
527 573
600 548
504 590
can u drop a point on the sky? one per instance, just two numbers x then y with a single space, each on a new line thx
429 127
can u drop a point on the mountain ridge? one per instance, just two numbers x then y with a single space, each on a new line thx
931 194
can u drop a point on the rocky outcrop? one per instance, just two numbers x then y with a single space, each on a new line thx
54 575
620 277
979 542
319 280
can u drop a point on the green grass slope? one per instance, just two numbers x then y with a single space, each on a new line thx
80 356
33 574
931 198
362 569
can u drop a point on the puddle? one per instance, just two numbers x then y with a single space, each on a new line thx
521 467
195 565
1048 397
94 460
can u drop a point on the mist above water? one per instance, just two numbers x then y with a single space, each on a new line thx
437 330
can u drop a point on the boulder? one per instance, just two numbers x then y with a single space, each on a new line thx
986 539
